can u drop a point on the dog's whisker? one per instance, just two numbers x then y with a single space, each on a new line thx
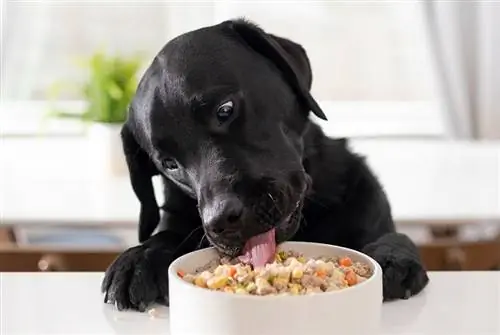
275 203
204 236
187 238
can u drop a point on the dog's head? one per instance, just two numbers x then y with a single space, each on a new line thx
221 112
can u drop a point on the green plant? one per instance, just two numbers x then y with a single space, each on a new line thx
108 90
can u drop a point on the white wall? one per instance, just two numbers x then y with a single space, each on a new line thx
358 52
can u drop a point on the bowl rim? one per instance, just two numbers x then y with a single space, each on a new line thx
377 272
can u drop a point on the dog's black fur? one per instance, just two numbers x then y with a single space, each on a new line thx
235 172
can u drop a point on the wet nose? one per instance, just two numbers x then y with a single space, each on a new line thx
222 214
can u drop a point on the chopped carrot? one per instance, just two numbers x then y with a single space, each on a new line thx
351 278
345 261
181 273
321 273
232 271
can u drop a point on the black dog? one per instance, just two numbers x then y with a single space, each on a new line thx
222 115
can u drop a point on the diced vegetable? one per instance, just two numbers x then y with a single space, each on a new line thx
200 282
320 273
297 273
295 289
217 282
240 290
251 287
282 255
261 282
292 263
206 275
345 261
351 278
219 271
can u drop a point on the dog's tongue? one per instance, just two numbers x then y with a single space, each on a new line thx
260 249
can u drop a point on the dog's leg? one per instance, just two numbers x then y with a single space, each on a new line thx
348 207
139 277
403 272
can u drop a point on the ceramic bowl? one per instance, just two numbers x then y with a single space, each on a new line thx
199 311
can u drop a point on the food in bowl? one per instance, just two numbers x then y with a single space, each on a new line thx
290 273
352 310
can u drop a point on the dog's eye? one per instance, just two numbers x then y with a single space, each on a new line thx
225 111
169 164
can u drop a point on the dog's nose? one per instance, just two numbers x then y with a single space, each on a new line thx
222 214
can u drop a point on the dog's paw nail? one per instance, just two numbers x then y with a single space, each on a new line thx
407 294
142 307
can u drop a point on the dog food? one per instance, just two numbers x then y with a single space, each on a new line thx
289 274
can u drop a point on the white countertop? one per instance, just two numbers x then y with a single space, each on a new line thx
51 181
71 303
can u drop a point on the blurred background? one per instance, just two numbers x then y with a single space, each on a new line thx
414 84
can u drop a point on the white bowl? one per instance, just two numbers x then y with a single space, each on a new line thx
198 311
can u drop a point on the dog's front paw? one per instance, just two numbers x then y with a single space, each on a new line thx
403 272
137 278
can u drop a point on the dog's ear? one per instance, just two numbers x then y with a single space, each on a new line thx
290 58
141 170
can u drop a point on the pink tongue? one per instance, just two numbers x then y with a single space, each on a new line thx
260 249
